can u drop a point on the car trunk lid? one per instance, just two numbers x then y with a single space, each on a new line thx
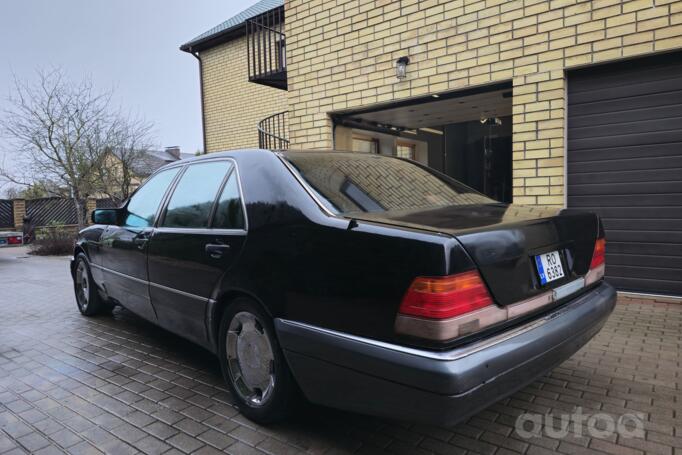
503 241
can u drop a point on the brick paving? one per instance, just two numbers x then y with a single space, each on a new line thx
119 385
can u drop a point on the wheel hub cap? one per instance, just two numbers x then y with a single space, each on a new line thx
82 284
250 359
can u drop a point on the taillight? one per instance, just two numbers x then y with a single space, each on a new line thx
599 253
445 297
14 240
598 263
445 308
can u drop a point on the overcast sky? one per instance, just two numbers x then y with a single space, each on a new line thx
128 45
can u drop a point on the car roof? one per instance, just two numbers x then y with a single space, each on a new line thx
237 153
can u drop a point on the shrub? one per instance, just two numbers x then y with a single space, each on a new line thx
53 240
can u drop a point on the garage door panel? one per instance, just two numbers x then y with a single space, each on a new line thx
644 260
629 127
640 272
626 140
652 175
626 91
638 224
640 200
624 162
650 286
647 236
635 188
650 249
623 106
628 73
635 151
608 119
643 213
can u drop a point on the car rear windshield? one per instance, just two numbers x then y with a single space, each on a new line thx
364 182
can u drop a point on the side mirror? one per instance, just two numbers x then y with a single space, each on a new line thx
105 216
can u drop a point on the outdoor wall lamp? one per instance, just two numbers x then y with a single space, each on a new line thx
401 67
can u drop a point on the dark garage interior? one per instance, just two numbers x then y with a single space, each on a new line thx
466 135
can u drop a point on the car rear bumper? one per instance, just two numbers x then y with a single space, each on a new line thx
371 377
4 239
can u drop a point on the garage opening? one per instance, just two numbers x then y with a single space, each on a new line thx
466 135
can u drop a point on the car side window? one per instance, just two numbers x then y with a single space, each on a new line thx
229 213
145 202
192 200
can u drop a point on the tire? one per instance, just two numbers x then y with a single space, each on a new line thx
88 300
253 364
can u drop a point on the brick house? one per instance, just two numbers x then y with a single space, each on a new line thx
565 103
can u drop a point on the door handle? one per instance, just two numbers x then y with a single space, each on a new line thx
216 250
141 239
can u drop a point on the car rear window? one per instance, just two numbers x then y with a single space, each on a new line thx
364 182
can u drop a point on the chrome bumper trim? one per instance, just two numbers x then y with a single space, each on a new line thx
454 354
595 274
150 283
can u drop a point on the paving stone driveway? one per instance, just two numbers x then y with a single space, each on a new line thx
119 385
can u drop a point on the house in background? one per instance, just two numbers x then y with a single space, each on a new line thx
151 160
138 164
47 206
563 103
232 106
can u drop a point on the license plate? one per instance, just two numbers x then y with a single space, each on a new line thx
549 267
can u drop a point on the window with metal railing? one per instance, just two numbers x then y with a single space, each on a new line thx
266 49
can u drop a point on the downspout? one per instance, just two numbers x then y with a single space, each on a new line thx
201 95
333 132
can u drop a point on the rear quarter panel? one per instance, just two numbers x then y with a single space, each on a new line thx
347 280
304 265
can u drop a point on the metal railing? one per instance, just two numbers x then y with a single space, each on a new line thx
273 132
266 49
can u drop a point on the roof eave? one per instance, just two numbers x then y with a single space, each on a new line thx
213 40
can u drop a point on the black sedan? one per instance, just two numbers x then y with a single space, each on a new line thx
363 282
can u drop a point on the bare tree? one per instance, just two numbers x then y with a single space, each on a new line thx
51 124
63 133
12 192
35 190
125 155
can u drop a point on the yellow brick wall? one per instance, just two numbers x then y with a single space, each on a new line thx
341 55
233 105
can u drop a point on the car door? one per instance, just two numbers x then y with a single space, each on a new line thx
123 249
197 239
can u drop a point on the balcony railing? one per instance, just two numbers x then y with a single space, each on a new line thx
266 45
273 132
